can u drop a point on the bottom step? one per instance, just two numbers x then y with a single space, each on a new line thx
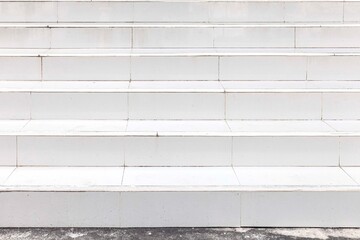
180 197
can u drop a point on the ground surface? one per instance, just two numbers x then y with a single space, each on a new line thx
178 233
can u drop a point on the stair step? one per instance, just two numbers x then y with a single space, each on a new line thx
180 100
163 179
180 11
120 197
180 127
158 52
180 86
179 36
179 143
181 64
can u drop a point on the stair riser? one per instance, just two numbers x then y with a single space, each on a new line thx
300 209
119 209
147 68
179 151
180 106
272 11
81 209
179 209
174 37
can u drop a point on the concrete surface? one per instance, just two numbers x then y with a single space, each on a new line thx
177 233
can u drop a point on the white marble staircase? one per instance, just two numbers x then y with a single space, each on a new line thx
239 113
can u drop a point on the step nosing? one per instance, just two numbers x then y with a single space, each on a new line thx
325 188
184 52
190 91
181 1
179 134
179 91
175 25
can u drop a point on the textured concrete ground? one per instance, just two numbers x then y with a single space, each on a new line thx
177 234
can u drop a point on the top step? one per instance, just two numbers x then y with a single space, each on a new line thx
249 11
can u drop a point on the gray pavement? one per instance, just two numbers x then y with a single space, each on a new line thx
177 233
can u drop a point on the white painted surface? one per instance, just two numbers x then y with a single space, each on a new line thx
173 37
206 106
30 68
170 12
246 11
254 37
349 151
181 142
73 151
263 106
166 35
344 125
180 209
178 151
334 84
71 126
334 68
8 151
95 11
262 68
328 37
15 106
300 209
314 11
295 128
174 68
293 176
64 86
67 120
351 10
199 65
91 38
61 209
176 86
180 12
5 173
279 126
66 176
286 151
181 126
28 11
86 68
341 106
8 126
79 106
354 173
179 176
25 37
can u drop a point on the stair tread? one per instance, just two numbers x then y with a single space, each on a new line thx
171 25
179 128
179 86
288 86
156 52
186 1
177 178
110 86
